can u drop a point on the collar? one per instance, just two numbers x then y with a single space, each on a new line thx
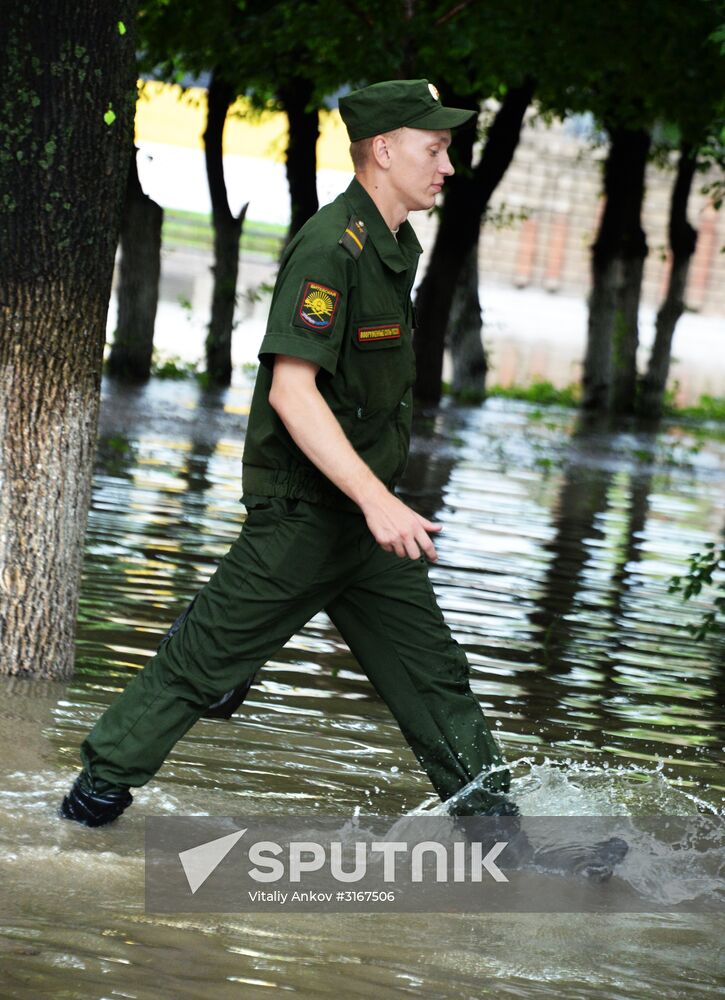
398 254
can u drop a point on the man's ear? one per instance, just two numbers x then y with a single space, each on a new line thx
380 151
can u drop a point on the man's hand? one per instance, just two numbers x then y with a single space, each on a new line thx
312 425
396 528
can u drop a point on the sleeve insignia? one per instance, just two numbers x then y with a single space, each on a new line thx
353 239
318 305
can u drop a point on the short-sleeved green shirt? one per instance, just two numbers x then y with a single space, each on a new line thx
350 313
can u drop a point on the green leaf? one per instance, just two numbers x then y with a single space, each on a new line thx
121 28
110 116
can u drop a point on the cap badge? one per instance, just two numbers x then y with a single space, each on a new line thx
434 92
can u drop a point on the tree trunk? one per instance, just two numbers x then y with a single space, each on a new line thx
618 255
138 287
70 75
683 240
603 298
626 338
464 335
467 195
227 234
304 132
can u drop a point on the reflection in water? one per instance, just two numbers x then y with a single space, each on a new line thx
598 509
558 541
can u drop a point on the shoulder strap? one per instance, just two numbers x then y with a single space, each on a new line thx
353 239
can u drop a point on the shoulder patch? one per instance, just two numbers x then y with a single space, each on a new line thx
318 305
353 239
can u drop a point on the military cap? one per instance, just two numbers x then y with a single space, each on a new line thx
393 104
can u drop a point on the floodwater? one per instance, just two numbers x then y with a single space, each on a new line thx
557 546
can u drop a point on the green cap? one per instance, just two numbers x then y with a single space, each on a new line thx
393 104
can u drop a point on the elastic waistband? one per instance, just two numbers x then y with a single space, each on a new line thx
297 482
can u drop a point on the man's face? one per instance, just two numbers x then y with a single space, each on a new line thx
419 165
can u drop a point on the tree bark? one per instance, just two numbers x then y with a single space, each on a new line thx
467 195
227 235
464 335
301 160
603 298
683 241
626 337
138 287
69 78
618 255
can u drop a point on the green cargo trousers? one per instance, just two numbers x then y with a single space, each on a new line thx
292 559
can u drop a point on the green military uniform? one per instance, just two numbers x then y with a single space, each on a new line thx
341 301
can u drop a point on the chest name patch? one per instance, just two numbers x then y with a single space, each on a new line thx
368 334
318 305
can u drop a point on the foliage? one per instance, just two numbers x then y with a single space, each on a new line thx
656 65
264 46
259 47
174 368
701 573
194 229
707 408
632 65
635 64
542 392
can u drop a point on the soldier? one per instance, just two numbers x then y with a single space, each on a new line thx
327 441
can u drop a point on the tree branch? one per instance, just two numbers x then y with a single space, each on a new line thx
361 14
444 18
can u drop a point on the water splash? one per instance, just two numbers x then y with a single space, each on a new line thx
571 787
676 839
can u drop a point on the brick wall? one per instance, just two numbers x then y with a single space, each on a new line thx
555 180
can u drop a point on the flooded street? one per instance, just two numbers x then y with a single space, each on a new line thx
557 547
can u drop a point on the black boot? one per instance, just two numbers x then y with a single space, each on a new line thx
595 862
502 807
94 803
481 802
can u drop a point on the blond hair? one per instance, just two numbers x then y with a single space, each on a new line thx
361 150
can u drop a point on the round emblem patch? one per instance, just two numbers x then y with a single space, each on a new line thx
434 92
318 305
